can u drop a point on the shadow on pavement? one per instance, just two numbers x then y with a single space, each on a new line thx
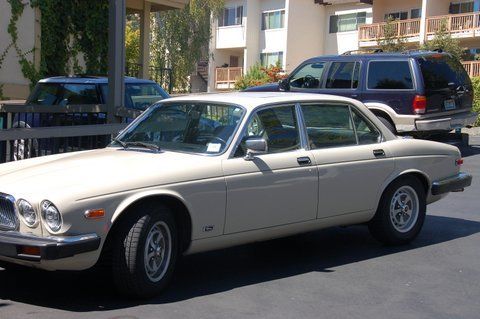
224 270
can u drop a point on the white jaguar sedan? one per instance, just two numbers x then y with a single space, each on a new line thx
198 173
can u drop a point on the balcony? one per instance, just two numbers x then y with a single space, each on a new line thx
229 37
370 34
463 25
459 25
472 68
225 78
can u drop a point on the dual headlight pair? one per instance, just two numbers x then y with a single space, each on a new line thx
50 214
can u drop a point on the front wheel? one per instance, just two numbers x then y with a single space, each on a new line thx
401 212
145 251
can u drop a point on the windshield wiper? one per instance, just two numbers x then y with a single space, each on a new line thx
150 146
122 144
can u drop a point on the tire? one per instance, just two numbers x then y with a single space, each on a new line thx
23 149
391 224
134 274
388 124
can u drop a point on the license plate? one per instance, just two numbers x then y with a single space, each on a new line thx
449 105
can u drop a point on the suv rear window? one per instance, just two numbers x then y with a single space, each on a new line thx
439 71
389 75
343 75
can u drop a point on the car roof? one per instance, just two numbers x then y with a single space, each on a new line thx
378 55
90 80
251 100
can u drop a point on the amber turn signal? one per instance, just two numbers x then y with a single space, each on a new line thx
94 213
29 250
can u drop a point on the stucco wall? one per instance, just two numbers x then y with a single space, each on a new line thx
305 22
14 84
382 7
340 42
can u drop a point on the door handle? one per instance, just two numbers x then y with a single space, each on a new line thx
304 160
379 153
354 96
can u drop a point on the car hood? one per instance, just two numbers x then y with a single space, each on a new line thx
92 173
272 87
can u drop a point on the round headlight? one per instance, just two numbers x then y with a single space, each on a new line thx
28 213
51 216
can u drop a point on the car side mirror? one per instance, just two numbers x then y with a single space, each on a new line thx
255 146
284 85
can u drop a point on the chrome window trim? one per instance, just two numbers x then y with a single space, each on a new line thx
253 112
412 72
302 128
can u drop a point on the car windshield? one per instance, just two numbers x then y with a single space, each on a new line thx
195 127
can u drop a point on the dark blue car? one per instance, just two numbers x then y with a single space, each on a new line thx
409 92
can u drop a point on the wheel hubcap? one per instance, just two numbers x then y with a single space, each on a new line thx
404 209
157 251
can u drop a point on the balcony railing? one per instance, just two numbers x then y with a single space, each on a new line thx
225 78
456 23
462 25
472 68
376 31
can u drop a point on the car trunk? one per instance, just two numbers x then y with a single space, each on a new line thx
447 85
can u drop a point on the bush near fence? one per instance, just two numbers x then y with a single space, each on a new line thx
476 99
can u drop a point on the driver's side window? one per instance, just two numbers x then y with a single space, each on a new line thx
308 77
277 125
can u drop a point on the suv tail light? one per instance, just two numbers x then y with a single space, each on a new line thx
419 104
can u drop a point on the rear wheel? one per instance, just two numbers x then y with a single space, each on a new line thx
401 212
144 251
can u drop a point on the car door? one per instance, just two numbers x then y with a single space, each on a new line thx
351 159
343 79
276 188
308 77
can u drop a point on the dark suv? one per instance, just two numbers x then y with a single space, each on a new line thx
409 92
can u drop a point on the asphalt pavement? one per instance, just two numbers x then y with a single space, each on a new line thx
334 273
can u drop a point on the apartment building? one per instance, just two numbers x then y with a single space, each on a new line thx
285 31
418 20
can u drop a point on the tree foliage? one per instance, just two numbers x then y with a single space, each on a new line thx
258 75
443 40
132 39
392 41
181 37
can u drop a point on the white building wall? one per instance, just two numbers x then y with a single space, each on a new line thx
11 76
340 42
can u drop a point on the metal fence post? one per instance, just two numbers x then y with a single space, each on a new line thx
116 58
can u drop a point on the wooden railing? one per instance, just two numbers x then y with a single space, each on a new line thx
225 78
376 31
456 23
472 68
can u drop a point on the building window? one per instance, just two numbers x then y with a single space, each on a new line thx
461 7
271 58
347 22
397 15
415 13
231 16
273 20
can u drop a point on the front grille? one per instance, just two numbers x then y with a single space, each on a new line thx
8 218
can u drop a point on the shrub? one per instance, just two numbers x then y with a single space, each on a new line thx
476 98
258 75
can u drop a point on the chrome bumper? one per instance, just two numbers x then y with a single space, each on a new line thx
33 248
452 184
446 123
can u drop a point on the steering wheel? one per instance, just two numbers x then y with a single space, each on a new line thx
219 139
308 81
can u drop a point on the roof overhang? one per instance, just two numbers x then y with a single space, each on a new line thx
333 2
156 5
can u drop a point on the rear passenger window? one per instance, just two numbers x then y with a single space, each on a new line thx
389 75
366 132
438 72
342 75
328 125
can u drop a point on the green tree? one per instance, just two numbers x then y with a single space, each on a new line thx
443 40
181 37
132 40
391 40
